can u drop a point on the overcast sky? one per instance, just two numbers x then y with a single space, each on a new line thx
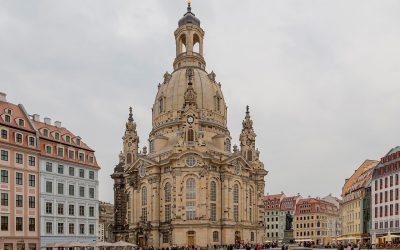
322 78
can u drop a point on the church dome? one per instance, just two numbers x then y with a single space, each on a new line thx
170 99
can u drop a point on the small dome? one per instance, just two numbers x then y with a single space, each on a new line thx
189 17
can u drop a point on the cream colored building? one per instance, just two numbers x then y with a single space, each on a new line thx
190 188
353 210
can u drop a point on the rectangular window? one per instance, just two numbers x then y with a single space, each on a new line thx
32 141
71 171
165 237
71 209
91 211
60 188
71 154
49 208
60 152
32 161
4 223
48 149
71 189
81 156
81 210
213 216
49 167
18 138
82 191
19 158
60 208
19 179
144 214
18 224
19 200
32 202
4 199
91 175
49 187
60 169
71 228
82 228
91 159
49 227
32 225
4 155
190 210
91 193
60 228
32 180
167 212
82 173
4 176
236 213
91 229
4 134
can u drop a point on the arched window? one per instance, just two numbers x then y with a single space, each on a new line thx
249 155
217 103
144 196
213 191
128 158
144 204
227 145
190 135
190 199
196 43
251 204
236 203
182 41
252 236
162 104
215 236
167 196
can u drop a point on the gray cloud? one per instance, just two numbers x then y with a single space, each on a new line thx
321 77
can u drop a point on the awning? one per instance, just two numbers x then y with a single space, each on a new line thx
302 240
350 238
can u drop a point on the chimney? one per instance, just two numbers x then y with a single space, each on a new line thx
36 117
57 124
3 97
47 121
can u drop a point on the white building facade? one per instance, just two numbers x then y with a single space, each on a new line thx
385 197
68 187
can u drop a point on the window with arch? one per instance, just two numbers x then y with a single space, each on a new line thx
236 203
249 155
45 132
252 236
182 41
167 198
215 236
128 158
190 135
217 103
144 204
161 104
196 43
227 145
7 118
251 204
213 199
190 199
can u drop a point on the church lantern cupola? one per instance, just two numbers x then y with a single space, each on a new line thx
189 41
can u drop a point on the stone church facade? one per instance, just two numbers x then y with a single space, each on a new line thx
189 187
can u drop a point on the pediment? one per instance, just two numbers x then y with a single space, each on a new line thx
139 162
238 159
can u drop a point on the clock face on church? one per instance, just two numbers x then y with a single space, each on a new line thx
190 119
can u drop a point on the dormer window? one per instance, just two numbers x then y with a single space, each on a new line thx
7 118
8 111
45 133
91 159
21 122
67 138
78 141
57 136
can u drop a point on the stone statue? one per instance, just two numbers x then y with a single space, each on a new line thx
289 220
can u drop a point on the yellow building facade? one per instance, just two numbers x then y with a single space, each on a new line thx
189 187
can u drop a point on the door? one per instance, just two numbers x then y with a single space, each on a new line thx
191 238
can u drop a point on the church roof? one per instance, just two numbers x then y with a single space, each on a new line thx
189 17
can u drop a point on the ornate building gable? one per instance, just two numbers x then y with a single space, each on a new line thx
130 140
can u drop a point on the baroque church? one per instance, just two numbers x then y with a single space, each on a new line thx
190 187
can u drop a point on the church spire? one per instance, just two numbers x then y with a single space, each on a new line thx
130 140
248 138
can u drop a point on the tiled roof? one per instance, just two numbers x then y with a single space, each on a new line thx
17 112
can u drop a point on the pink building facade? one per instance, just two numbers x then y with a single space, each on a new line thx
19 179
